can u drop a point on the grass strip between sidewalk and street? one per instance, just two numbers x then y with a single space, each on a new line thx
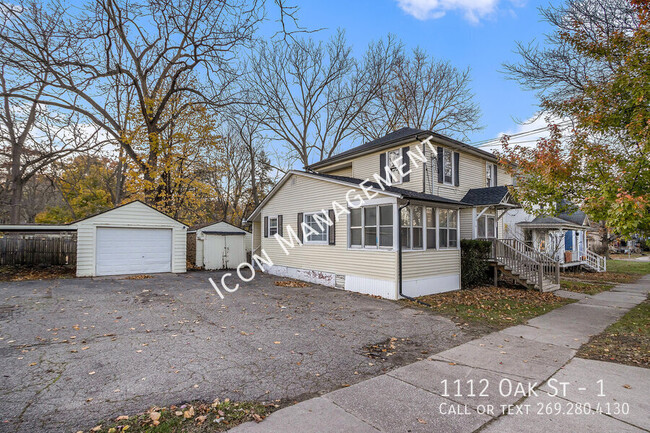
625 342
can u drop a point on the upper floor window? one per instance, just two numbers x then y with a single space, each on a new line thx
319 229
448 166
490 174
393 160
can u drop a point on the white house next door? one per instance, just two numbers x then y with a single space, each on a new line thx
121 250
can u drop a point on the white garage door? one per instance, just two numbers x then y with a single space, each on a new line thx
223 251
133 251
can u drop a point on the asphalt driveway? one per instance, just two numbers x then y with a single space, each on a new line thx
76 351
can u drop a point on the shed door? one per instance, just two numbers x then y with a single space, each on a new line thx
133 251
223 251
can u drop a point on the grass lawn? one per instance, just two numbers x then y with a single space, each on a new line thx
195 417
494 307
626 341
588 288
618 271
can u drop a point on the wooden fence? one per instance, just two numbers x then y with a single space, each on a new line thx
38 250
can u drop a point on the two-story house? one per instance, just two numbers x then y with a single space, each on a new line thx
398 207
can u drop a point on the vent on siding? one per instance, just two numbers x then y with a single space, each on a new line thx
339 281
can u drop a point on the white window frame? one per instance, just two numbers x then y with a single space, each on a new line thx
378 227
306 240
410 228
483 221
448 228
271 219
396 177
490 171
446 151
434 212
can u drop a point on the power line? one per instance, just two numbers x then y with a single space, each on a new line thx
521 134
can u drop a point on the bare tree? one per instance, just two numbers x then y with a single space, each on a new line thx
33 137
422 93
314 92
557 71
88 57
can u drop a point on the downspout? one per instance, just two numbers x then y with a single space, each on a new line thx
399 257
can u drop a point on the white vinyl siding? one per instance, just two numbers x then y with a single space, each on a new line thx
132 215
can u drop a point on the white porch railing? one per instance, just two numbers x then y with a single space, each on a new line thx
594 261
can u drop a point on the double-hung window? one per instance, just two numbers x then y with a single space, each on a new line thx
448 166
273 225
490 174
412 227
448 228
371 227
393 160
319 229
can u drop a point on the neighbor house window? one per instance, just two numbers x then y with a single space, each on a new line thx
411 227
431 227
273 225
448 228
486 226
490 174
371 226
316 222
393 160
448 166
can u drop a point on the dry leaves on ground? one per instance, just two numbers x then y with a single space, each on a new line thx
291 283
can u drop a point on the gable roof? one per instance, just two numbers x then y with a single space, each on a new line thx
550 222
401 136
486 196
124 205
354 183
571 212
220 227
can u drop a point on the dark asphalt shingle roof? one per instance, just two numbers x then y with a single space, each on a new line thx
394 137
571 212
485 196
405 193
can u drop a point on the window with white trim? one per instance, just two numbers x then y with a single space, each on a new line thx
393 160
273 225
430 214
412 227
448 166
448 228
490 174
371 227
319 229
486 226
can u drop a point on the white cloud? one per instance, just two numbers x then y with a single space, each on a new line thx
473 10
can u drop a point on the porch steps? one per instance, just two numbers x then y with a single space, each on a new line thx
522 265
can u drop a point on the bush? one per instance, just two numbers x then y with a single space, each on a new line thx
474 266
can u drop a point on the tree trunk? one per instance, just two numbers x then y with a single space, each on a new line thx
16 185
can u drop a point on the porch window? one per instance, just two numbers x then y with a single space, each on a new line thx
320 232
448 228
371 226
412 228
431 227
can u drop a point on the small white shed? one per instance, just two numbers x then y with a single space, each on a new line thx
221 245
133 238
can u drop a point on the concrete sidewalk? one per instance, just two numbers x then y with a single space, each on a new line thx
521 379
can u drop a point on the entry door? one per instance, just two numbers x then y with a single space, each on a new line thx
223 252
133 251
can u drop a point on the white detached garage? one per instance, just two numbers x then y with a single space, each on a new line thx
130 239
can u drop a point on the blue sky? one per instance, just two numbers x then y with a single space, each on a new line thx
480 34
